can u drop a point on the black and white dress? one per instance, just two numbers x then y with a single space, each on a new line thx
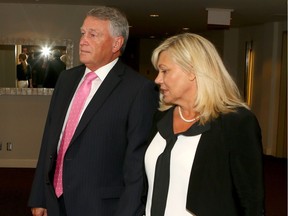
182 157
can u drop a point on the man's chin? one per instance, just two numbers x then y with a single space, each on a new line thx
83 60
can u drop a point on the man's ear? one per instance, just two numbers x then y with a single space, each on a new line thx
118 43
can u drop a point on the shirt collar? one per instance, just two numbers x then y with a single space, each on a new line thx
103 71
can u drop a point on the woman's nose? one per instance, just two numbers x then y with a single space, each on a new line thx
158 79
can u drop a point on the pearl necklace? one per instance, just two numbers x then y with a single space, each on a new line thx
187 120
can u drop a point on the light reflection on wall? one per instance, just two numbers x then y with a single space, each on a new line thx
249 67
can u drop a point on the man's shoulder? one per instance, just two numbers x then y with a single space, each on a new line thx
136 74
81 66
77 68
73 72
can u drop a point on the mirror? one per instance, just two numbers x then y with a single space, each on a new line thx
10 48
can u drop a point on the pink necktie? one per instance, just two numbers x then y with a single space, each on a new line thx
72 122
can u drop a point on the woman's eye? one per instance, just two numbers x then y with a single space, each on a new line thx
163 71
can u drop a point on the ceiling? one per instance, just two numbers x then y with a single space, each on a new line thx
174 15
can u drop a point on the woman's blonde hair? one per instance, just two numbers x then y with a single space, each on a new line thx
217 92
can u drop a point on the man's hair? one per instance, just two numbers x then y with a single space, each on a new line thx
118 22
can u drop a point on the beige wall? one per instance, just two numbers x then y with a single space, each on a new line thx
267 47
22 120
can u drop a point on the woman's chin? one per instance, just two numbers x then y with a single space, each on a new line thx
166 100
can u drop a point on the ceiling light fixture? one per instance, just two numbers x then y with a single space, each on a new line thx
154 15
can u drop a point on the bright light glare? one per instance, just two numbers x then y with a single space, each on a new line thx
45 51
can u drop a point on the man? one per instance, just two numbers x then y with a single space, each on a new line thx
54 67
103 164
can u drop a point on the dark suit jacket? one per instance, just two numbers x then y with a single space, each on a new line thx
53 70
227 176
103 166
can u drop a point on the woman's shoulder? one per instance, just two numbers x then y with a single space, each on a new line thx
240 112
240 117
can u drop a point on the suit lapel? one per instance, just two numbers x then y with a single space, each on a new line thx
68 83
107 87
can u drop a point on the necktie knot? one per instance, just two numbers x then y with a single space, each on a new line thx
90 76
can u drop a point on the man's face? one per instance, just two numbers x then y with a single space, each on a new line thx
97 46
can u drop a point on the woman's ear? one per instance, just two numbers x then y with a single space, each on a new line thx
192 76
192 79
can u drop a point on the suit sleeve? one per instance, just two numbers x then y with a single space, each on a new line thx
246 164
37 195
139 125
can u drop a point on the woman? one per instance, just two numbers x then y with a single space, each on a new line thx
213 161
24 76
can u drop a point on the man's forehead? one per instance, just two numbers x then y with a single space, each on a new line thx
88 29
90 25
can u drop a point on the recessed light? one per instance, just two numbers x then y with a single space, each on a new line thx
154 15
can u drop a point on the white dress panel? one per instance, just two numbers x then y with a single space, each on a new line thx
182 157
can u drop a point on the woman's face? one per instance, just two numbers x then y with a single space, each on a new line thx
176 85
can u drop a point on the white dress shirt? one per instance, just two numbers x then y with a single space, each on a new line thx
101 73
